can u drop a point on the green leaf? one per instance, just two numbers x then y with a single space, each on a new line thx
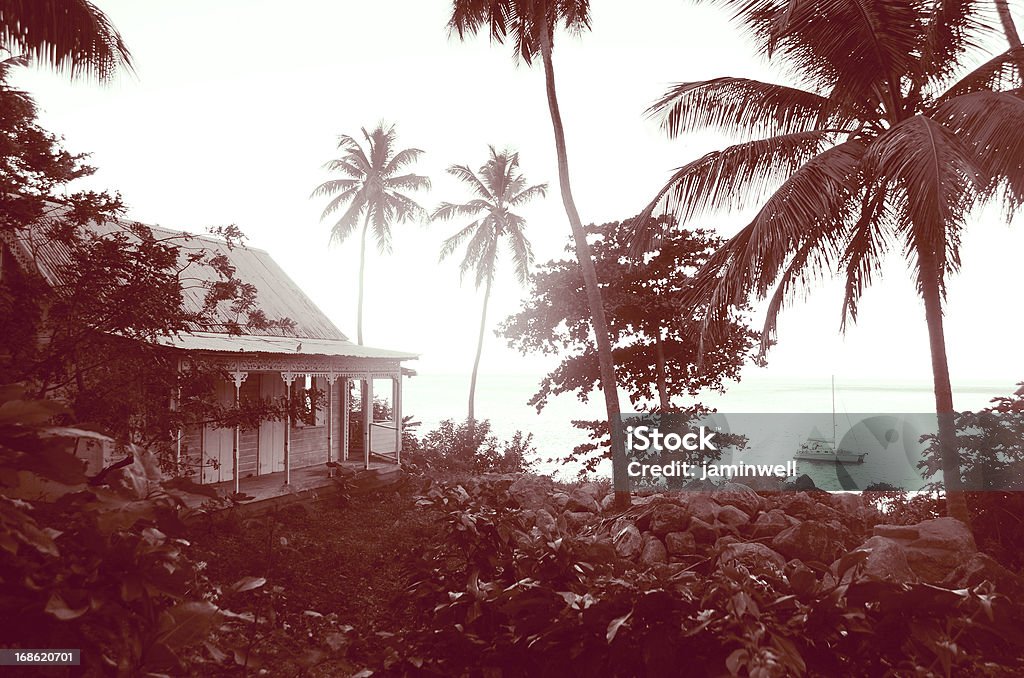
60 609
614 626
186 623
247 584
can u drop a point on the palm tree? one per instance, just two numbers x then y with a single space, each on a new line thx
498 186
879 150
372 188
70 35
531 23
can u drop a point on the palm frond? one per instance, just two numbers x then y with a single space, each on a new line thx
449 246
408 182
400 160
990 124
729 179
346 166
329 188
348 221
335 204
998 73
527 194
67 35
741 106
470 178
447 210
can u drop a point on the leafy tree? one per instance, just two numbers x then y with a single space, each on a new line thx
67 35
879 149
655 347
498 186
531 23
87 333
371 187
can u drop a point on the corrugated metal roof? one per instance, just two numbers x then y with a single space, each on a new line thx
212 341
277 294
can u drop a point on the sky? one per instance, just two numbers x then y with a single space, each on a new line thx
235 106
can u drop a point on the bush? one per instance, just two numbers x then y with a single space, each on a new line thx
462 448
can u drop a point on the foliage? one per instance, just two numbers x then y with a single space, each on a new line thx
655 347
513 595
70 35
103 568
991 443
119 289
464 448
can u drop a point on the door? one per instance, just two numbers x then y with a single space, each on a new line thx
271 440
218 443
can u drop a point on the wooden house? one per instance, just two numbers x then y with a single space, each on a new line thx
315 356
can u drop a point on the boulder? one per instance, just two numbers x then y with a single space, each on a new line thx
608 503
801 578
801 483
544 521
847 503
653 551
700 505
739 495
722 542
531 492
576 520
703 532
800 505
934 548
680 543
733 517
628 541
560 499
756 557
593 490
579 500
807 541
770 524
981 567
669 518
886 561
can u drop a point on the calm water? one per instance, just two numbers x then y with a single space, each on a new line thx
502 399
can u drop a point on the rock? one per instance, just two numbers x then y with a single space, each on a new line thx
756 557
544 521
608 503
698 486
680 543
847 503
593 490
628 541
703 532
886 561
740 496
807 541
801 483
770 524
762 483
653 550
800 505
582 501
801 578
669 518
733 517
700 505
575 520
934 548
982 567
722 542
530 492
560 499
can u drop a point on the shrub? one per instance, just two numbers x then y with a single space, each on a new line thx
461 448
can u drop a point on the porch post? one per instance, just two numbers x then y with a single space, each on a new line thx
344 418
331 378
238 377
288 377
396 409
367 418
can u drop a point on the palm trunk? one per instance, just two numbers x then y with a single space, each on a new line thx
956 504
659 363
362 274
476 361
1010 29
601 334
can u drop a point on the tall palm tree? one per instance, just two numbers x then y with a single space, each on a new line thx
880 149
372 188
71 35
498 187
531 24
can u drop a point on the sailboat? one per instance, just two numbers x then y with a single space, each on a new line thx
822 449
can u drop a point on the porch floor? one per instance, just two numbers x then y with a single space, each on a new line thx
306 480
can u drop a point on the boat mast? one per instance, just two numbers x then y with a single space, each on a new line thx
834 441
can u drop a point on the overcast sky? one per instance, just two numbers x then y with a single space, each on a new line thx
236 104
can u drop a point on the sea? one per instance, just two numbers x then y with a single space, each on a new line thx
799 407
